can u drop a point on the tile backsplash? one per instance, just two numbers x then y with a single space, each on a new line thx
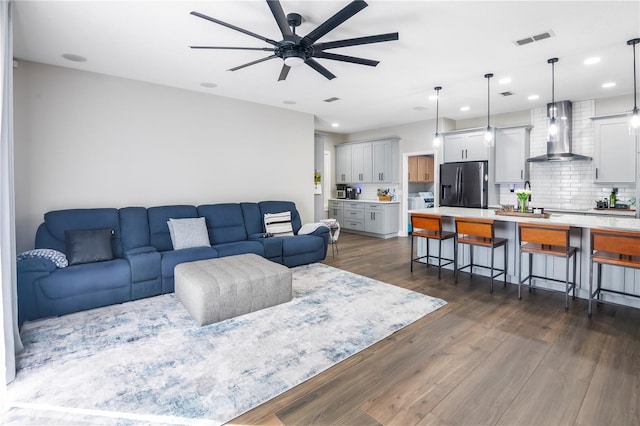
565 185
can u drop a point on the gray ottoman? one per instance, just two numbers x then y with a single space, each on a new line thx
213 290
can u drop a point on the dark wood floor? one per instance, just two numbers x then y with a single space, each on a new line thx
482 359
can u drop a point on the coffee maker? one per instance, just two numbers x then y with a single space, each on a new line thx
341 191
353 193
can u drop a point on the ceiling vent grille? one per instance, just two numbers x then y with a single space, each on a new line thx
333 99
537 37
507 93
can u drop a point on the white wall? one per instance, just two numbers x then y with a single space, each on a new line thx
90 140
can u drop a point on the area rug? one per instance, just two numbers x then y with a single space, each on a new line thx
148 362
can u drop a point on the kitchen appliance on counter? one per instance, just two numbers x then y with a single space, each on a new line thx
464 184
353 193
341 191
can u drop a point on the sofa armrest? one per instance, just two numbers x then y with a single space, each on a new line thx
28 272
36 264
139 250
145 263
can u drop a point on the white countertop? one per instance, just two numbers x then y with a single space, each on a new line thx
359 200
575 220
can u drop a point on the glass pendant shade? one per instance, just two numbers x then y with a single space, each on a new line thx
634 122
552 126
437 142
488 136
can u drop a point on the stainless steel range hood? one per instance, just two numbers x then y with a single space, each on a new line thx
559 146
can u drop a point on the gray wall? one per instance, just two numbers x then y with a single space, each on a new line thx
90 140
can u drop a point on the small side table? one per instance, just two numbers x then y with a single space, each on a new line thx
334 228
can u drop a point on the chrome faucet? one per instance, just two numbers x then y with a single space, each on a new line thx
525 187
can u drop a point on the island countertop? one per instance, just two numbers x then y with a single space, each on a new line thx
575 220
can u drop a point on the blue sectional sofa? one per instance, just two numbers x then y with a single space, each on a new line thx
143 255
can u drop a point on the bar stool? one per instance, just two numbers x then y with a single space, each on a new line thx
549 240
615 248
480 233
429 226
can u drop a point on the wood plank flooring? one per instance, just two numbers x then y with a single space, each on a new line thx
484 359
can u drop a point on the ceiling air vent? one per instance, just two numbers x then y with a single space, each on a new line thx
507 93
533 38
333 99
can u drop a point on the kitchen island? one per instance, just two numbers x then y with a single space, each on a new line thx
624 280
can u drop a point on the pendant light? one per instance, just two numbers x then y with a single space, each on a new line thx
552 126
488 134
634 115
437 141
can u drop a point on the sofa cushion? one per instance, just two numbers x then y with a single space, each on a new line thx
88 245
134 225
187 233
253 219
225 222
159 236
86 278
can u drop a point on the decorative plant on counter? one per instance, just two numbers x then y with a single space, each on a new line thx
523 196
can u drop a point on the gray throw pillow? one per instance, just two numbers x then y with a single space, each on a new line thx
87 246
187 233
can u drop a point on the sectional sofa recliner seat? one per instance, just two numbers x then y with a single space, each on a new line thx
143 255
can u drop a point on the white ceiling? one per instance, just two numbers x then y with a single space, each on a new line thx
447 43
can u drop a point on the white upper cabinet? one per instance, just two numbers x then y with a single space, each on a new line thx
465 146
367 162
614 156
343 163
511 153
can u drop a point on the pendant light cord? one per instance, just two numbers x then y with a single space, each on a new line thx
437 106
488 77
635 91
553 90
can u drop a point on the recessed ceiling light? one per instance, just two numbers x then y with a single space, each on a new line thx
420 108
208 85
289 102
505 80
533 97
74 58
591 61
464 108
608 85
335 124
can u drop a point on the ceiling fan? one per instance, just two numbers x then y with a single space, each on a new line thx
296 50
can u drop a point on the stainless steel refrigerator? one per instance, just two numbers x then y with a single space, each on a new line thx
464 184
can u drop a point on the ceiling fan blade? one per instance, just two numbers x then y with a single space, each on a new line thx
356 41
347 12
252 63
233 27
265 49
284 72
281 19
343 58
322 70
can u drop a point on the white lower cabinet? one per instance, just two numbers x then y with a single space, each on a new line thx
377 219
336 211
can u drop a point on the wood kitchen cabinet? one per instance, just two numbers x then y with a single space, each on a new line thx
421 168
614 154
511 153
465 146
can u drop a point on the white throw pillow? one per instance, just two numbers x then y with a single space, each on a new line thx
187 233
278 224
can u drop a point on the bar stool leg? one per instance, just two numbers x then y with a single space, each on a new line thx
590 286
566 284
519 275
439 259
411 259
455 259
491 288
471 261
504 247
574 276
530 269
599 279
428 256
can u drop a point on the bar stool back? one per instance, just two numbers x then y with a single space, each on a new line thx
480 232
616 248
429 226
548 240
